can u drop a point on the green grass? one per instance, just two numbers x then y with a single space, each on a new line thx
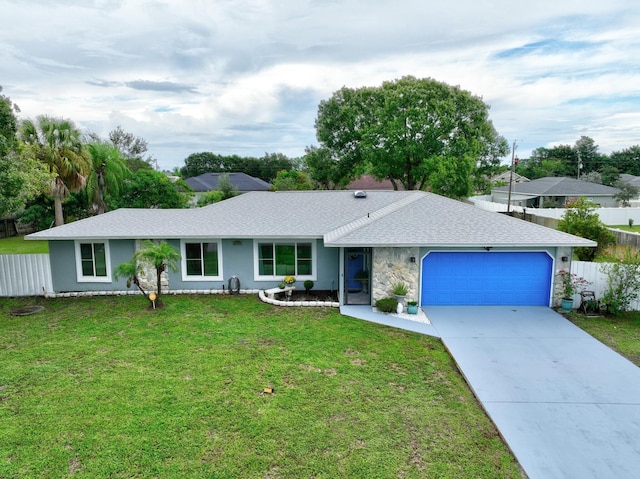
102 387
619 333
18 245
633 229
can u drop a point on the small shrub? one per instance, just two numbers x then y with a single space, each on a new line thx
412 303
387 305
630 222
308 284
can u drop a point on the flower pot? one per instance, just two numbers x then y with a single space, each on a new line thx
566 305
412 309
399 308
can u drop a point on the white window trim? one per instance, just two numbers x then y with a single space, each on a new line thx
183 261
256 257
107 257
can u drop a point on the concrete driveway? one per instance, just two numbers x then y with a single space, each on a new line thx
568 406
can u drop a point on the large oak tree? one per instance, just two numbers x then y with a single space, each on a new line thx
420 133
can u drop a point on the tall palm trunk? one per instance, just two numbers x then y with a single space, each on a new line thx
60 193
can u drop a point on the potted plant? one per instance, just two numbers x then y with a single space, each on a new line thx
571 284
289 280
412 307
400 291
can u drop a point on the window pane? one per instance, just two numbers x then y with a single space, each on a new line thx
86 251
285 259
304 267
100 259
265 259
87 267
210 253
192 250
265 268
265 250
304 259
304 250
194 267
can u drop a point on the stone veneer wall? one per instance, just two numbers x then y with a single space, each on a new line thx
391 266
557 288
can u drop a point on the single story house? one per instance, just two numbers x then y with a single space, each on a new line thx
554 192
507 176
369 183
356 243
240 181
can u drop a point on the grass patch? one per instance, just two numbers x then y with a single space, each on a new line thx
621 333
18 245
102 387
632 229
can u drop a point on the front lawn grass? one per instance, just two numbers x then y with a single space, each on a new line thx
103 387
18 245
621 333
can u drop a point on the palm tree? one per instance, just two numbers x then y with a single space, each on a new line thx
56 142
109 171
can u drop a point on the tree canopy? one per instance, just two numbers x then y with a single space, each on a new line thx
581 219
57 143
152 189
265 168
420 133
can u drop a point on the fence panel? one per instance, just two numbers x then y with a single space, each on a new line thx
591 272
25 275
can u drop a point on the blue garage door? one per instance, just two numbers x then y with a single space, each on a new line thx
486 278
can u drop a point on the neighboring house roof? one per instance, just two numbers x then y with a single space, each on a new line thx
506 177
560 186
241 181
369 183
631 179
382 218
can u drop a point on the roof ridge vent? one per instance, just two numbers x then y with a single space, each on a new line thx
359 194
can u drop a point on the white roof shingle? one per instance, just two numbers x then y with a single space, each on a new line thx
382 218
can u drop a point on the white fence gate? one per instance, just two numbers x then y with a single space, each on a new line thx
25 275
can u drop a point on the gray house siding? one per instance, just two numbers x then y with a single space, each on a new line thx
63 266
237 260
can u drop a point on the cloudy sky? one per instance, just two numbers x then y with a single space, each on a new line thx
245 76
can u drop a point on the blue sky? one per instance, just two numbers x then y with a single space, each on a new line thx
245 76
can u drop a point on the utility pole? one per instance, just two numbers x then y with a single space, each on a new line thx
514 161
579 164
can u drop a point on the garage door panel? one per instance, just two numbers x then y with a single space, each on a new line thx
486 278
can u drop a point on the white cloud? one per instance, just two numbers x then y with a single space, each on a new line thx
245 76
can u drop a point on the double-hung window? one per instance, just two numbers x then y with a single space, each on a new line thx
276 259
201 260
92 261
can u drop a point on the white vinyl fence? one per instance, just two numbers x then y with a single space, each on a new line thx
591 272
25 275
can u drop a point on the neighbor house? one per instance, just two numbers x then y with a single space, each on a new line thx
507 177
356 243
241 182
554 192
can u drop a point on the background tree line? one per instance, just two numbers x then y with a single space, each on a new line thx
417 133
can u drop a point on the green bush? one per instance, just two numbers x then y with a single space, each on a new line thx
387 305
623 282
308 284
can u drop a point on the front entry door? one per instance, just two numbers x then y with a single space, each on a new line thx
357 276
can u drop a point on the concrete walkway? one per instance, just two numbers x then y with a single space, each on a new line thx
567 406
